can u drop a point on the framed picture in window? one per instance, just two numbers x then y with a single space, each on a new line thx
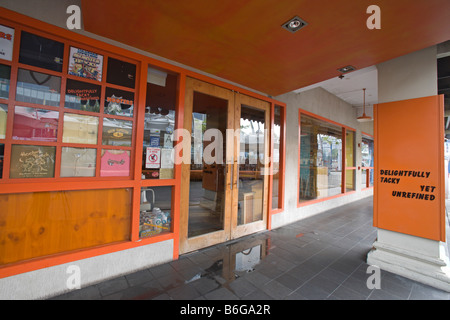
6 42
85 64
32 162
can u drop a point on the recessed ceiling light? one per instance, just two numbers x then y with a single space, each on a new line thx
294 24
347 69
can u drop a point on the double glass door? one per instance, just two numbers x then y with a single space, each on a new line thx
225 182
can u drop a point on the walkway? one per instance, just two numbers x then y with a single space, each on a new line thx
322 257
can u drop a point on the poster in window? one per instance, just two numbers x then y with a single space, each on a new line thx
41 52
32 162
119 102
85 64
6 42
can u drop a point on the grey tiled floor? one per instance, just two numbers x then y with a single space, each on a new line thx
322 257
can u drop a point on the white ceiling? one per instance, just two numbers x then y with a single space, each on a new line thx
350 88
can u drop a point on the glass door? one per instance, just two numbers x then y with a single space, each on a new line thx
206 177
224 179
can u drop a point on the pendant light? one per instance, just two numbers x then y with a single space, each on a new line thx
364 117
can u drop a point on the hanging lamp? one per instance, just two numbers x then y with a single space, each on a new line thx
364 117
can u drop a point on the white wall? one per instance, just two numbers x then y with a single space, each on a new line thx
322 103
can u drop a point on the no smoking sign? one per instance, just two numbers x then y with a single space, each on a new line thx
153 160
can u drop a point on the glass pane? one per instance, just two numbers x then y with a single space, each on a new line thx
364 178
121 73
2 155
5 77
35 124
80 129
251 162
159 125
32 162
82 96
3 120
78 162
320 159
39 88
117 132
371 178
115 163
350 180
85 64
41 52
367 152
207 180
276 136
350 149
119 102
156 211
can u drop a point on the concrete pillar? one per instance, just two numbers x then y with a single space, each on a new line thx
423 260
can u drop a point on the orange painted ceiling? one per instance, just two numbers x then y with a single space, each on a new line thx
243 41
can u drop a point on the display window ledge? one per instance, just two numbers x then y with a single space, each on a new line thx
310 202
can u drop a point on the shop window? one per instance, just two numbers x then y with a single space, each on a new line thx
115 163
158 152
85 64
155 211
277 157
121 73
28 161
78 162
38 88
367 162
80 129
82 96
350 162
119 102
5 77
35 124
6 43
117 132
320 159
3 120
41 52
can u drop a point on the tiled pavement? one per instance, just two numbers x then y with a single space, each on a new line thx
322 257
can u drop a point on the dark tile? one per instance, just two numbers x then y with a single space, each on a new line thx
112 286
344 293
221 294
184 292
276 290
139 277
241 287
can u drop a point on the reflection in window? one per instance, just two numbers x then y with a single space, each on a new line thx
277 154
80 129
121 73
155 216
41 52
38 88
5 76
32 162
119 102
35 124
78 162
115 163
3 119
320 159
117 132
82 96
366 163
350 174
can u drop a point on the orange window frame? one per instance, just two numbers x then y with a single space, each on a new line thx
344 128
134 181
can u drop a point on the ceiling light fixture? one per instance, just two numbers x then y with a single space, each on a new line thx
294 24
364 117
347 69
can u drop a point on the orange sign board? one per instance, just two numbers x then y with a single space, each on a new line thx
409 194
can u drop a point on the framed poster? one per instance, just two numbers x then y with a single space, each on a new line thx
32 162
85 64
6 42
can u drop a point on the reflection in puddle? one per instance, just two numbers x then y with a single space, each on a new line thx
237 258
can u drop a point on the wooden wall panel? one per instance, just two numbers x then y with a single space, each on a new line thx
44 223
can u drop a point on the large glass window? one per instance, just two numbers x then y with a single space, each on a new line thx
350 161
320 159
277 157
41 52
155 211
38 88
